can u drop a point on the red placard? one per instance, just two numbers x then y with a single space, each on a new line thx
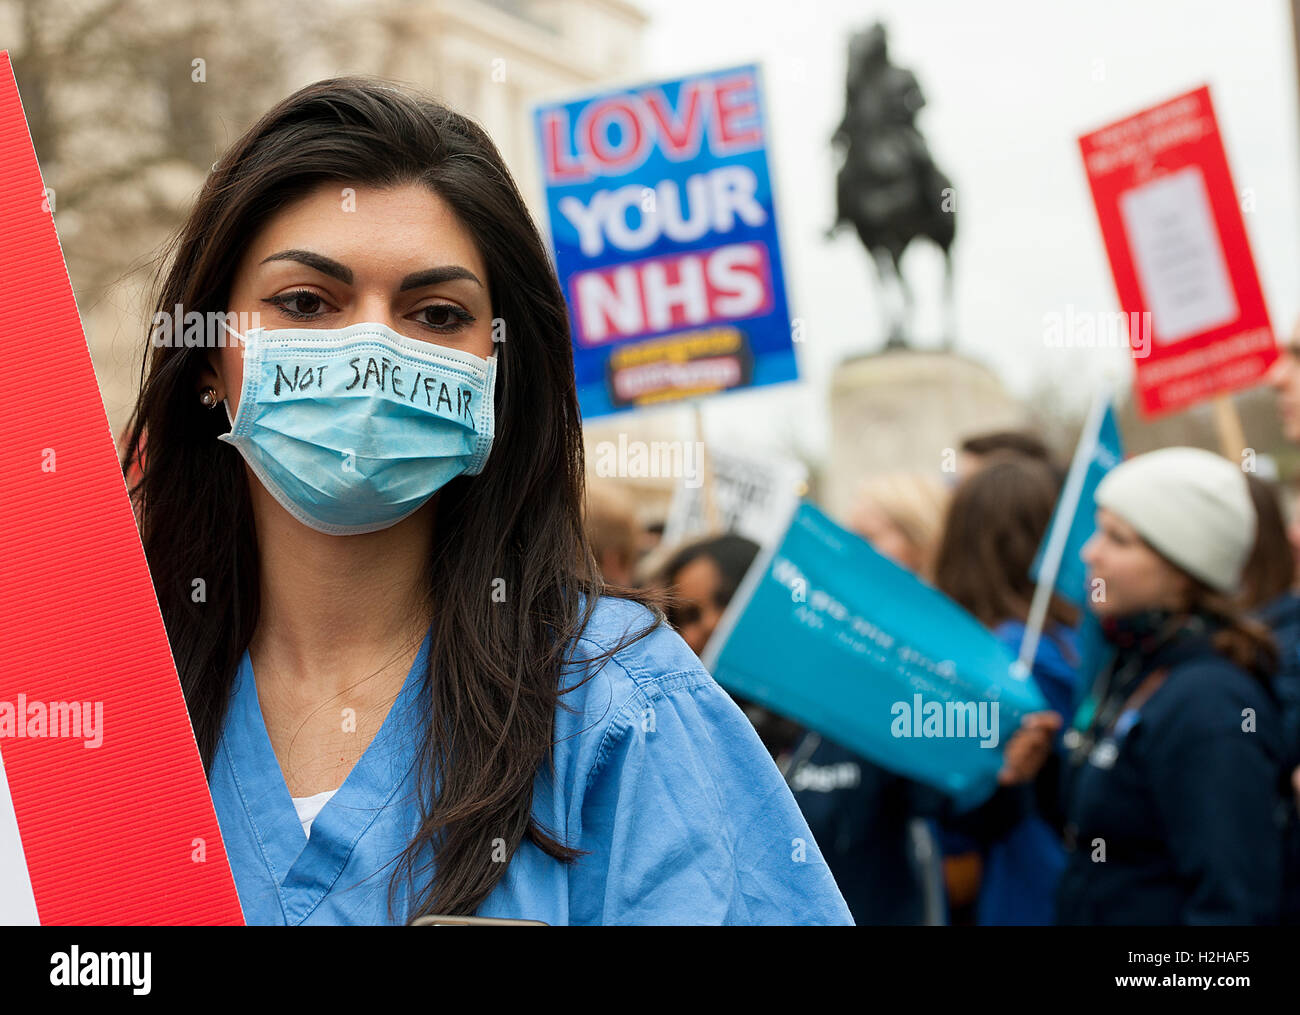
1179 253
107 789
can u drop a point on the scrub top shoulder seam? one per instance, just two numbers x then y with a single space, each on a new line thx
643 692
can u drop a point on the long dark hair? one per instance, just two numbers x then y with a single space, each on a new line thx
1270 570
996 520
499 665
1238 637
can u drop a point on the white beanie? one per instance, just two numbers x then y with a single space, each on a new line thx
1193 508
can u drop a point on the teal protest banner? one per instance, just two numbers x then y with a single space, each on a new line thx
827 631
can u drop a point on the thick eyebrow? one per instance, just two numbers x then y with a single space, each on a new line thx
434 276
329 266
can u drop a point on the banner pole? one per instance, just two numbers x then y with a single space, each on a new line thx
1060 531
706 469
1227 421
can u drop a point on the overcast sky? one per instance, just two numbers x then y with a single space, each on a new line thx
1009 84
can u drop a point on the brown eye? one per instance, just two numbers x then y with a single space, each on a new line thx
444 317
308 304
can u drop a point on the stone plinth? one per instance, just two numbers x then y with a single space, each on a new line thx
905 411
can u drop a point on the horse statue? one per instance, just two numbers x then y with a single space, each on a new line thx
888 187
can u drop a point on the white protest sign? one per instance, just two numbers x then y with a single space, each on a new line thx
752 497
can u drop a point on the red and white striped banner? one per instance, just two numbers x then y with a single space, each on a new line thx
105 815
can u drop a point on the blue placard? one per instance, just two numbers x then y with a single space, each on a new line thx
663 225
827 631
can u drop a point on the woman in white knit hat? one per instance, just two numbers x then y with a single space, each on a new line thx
1173 774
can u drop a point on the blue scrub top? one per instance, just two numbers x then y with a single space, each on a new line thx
657 773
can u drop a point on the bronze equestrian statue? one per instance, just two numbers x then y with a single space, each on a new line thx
888 187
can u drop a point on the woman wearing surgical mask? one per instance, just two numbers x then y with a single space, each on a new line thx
1173 776
362 514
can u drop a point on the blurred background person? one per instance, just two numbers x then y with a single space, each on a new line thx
1293 531
700 580
977 450
1005 857
1284 378
615 533
702 577
1175 759
1269 572
1268 590
901 515
652 535
1283 617
874 826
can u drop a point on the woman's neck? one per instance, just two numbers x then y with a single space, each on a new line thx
334 609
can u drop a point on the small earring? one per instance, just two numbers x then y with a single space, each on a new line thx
209 397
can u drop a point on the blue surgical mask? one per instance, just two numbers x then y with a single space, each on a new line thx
355 428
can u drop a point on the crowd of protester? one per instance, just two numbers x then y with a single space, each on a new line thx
1167 786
